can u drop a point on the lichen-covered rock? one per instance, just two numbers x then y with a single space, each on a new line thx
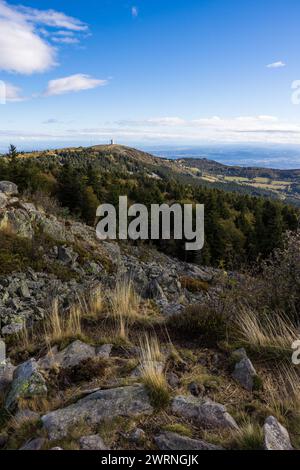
18 222
95 408
51 226
27 383
204 412
94 442
276 437
174 441
73 354
8 188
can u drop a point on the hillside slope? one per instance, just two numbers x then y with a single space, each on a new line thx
116 346
278 184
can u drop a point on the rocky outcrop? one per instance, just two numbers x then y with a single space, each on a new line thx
97 407
204 412
27 382
174 441
276 437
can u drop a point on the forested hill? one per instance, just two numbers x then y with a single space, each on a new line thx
271 183
239 228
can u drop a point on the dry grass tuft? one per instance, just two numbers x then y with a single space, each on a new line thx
249 437
95 302
271 335
60 327
152 372
124 300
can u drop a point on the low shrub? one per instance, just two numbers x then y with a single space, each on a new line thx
200 320
194 285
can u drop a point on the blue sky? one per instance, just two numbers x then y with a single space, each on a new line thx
149 72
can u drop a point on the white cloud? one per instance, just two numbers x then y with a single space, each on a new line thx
65 40
13 93
276 65
23 47
73 83
9 93
134 11
52 18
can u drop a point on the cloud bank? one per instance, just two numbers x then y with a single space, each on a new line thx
23 47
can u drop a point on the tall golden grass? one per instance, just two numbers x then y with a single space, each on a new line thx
153 376
274 334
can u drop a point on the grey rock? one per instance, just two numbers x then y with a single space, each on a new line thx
173 379
28 206
3 200
12 329
24 291
56 448
52 227
34 444
97 407
6 374
18 222
276 437
137 435
94 442
244 373
196 389
66 255
104 350
174 441
27 383
8 188
2 352
73 354
239 354
154 290
204 412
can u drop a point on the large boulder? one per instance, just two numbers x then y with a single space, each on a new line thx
174 441
95 408
51 226
204 412
18 222
8 188
276 437
27 383
73 354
